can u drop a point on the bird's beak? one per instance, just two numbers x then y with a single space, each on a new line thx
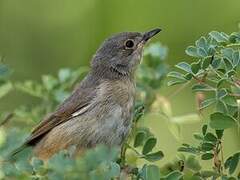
148 35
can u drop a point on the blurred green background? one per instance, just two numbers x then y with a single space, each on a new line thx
39 37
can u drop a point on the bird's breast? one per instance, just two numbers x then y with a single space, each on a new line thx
117 99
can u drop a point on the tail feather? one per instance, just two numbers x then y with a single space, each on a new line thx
16 151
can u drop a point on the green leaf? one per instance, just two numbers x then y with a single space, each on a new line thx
139 138
206 62
228 54
221 121
221 107
207 103
221 93
5 88
198 136
202 43
184 66
236 58
149 145
211 50
219 37
206 146
195 67
234 37
175 82
177 75
219 133
202 87
201 52
204 129
234 163
192 51
230 100
207 156
188 76
210 137
188 150
152 172
154 156
175 175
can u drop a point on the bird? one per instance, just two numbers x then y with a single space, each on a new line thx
100 109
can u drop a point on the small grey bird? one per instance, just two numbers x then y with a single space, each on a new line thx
100 109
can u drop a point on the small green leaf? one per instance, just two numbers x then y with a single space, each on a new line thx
221 121
204 129
207 146
139 138
177 75
219 37
210 137
149 145
184 66
221 93
188 150
206 62
234 163
192 51
175 175
175 82
201 52
236 58
154 156
198 136
202 87
195 67
202 43
221 107
188 76
230 100
207 156
207 103
219 133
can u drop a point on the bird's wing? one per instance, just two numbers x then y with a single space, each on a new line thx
78 103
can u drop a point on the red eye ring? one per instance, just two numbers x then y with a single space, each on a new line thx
129 43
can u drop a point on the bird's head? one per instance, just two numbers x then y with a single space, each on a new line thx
121 53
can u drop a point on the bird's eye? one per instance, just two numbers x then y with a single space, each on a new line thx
129 43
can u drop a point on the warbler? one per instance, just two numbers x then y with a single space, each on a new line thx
100 110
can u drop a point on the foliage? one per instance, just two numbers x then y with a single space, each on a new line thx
214 78
214 75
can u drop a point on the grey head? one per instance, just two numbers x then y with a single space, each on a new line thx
120 54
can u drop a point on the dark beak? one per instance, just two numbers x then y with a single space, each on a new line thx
148 35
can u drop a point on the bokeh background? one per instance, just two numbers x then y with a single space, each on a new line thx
39 37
